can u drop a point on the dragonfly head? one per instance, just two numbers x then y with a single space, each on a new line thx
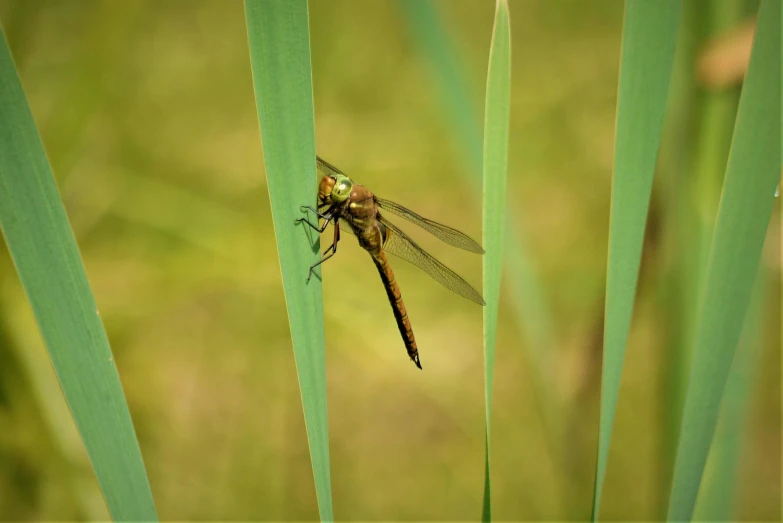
342 189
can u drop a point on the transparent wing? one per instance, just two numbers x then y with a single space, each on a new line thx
327 168
400 245
445 233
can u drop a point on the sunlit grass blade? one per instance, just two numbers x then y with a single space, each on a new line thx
649 37
44 251
496 125
279 40
746 204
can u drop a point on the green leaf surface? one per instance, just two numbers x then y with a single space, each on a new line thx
279 40
649 37
44 251
718 492
752 174
496 129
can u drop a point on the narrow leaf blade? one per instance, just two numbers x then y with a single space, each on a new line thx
649 37
47 259
746 204
525 292
279 40
496 130
717 494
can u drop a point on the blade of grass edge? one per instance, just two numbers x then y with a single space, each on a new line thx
496 131
44 251
752 174
279 41
649 36
528 298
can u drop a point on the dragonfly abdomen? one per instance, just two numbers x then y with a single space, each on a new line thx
398 306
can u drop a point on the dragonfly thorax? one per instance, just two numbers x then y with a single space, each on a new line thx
354 208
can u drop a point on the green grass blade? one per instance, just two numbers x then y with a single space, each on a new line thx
44 251
691 172
746 204
496 129
279 40
717 494
649 37
528 298
523 287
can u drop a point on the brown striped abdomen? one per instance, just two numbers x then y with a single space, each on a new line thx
398 306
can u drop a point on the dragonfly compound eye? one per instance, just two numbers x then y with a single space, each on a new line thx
341 190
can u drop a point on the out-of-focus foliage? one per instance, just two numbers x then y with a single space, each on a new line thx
747 200
648 50
146 110
41 243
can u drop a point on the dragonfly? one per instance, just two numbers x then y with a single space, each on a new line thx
354 209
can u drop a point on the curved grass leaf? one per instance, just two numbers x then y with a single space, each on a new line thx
746 204
649 36
496 125
44 251
279 40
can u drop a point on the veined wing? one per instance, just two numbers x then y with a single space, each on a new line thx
400 245
327 168
445 233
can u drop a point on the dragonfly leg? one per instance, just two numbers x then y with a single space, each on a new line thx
327 218
304 208
319 262
332 248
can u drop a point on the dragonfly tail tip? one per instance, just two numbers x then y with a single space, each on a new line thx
416 361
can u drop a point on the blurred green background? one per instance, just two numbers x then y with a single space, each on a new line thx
147 113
